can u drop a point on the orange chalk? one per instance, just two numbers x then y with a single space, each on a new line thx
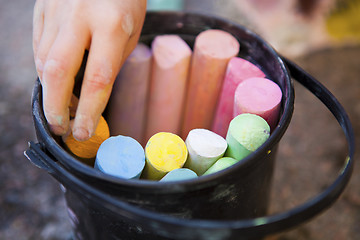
212 52
127 105
170 69
86 150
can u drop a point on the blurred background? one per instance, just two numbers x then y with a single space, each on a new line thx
322 36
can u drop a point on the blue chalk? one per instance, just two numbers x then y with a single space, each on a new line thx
179 174
121 157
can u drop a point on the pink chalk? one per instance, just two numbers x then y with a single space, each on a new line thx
258 96
127 105
238 70
212 51
170 69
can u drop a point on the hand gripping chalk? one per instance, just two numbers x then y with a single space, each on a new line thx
171 61
179 174
212 51
237 70
164 152
86 150
221 164
121 156
204 147
258 96
246 133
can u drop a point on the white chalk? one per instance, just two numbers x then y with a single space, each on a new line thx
204 147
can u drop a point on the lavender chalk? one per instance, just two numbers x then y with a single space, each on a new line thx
121 156
128 102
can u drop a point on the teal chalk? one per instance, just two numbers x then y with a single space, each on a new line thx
174 5
179 174
246 133
221 164
121 156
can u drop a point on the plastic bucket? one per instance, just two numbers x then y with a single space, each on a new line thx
230 204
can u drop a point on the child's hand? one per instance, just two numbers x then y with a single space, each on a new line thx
62 31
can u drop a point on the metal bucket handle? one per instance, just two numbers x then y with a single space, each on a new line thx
219 229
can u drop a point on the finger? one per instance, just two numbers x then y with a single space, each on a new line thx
38 24
49 33
104 61
62 63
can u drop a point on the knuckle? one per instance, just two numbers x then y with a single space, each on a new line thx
118 23
98 81
39 63
54 69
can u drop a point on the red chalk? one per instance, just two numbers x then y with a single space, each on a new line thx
170 69
238 70
212 51
258 96
127 105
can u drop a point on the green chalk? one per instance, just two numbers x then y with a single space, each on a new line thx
247 132
221 164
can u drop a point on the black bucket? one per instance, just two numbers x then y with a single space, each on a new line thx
230 204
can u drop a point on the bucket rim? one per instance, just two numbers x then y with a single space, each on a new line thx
79 168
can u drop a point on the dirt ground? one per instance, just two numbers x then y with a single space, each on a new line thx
310 155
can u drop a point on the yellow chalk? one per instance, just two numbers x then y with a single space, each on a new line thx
88 149
163 152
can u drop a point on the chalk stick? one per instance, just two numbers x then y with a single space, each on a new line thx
204 147
221 164
247 132
164 152
212 51
179 174
121 156
170 68
86 150
161 5
238 69
259 96
127 105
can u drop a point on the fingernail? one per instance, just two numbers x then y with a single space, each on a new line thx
81 134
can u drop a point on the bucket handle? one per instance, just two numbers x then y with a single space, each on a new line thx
225 229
